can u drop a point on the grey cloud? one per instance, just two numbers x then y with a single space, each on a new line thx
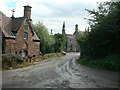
72 13
66 9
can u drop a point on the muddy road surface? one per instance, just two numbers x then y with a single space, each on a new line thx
62 72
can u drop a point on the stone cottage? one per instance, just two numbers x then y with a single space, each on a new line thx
18 36
71 43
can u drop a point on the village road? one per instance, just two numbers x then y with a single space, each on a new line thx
62 72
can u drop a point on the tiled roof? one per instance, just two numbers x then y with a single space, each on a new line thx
35 37
9 25
16 23
6 26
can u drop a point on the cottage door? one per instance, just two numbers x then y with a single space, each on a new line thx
24 53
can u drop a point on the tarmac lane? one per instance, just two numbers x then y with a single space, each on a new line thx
61 72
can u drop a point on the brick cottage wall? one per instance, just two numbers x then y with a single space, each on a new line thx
9 46
20 43
16 43
36 48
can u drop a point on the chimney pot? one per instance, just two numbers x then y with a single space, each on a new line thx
27 12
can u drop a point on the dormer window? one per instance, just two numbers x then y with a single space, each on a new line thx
25 35
25 27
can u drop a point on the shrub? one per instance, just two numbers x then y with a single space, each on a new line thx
40 53
11 60
26 59
110 62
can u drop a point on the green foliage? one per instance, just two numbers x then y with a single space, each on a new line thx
81 39
11 60
46 40
26 59
48 43
1 13
104 36
52 55
105 29
100 45
59 42
109 62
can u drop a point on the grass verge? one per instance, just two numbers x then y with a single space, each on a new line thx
108 63
26 62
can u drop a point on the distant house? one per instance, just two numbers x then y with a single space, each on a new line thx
18 36
71 43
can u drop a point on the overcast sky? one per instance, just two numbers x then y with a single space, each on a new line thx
53 12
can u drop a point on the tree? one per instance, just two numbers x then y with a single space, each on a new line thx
104 37
59 42
2 13
81 39
46 41
105 29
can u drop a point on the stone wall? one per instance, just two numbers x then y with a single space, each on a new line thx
20 43
72 45
9 46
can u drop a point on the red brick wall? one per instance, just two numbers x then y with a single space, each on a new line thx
36 48
9 46
31 46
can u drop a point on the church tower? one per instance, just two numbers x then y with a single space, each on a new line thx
63 28
51 32
76 33
76 27
27 12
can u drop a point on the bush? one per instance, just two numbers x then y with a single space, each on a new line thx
26 59
110 62
40 53
11 60
46 41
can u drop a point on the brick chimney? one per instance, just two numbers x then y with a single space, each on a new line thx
27 12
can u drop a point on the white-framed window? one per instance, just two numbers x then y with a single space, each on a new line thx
25 35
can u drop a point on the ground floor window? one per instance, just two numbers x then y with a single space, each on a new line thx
24 53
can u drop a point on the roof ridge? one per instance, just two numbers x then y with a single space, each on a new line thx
18 17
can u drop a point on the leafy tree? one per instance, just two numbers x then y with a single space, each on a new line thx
105 33
59 42
105 29
2 13
46 41
81 39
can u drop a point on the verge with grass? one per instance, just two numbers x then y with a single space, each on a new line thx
108 63
14 61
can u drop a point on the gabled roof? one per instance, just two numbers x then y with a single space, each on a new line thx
10 25
6 26
16 23
22 20
35 37
30 27
76 33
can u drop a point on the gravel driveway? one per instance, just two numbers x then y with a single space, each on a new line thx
62 72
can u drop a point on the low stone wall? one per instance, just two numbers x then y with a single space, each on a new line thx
46 56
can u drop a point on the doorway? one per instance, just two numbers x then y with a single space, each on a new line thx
24 53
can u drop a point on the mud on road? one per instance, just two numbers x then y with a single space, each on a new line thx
62 72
